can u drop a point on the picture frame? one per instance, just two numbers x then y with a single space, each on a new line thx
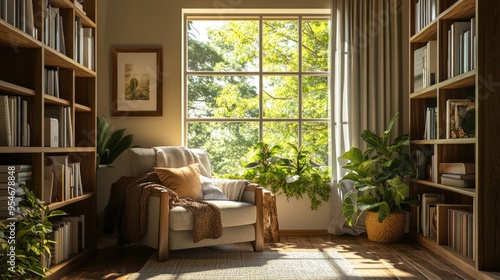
137 82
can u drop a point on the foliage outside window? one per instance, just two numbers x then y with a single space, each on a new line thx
257 78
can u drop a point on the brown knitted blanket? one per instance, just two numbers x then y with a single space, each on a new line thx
127 209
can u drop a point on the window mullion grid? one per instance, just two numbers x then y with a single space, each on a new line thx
299 136
261 79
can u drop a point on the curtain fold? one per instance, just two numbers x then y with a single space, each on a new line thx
366 80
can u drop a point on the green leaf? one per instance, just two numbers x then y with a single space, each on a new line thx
372 139
387 132
383 211
354 155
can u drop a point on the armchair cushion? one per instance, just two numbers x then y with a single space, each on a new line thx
233 213
185 181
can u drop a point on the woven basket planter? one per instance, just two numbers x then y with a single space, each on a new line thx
389 231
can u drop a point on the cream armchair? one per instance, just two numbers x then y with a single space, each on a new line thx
172 229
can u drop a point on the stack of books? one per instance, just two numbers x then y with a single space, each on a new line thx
11 176
458 174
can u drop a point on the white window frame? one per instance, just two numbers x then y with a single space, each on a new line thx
190 14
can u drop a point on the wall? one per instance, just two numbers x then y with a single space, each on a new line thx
132 23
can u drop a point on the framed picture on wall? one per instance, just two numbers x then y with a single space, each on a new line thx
137 82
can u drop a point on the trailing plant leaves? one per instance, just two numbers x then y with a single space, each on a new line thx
293 176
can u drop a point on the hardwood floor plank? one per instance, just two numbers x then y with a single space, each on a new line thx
371 260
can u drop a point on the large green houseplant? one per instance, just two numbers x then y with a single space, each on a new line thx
379 175
293 175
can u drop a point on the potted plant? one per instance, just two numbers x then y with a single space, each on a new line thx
31 242
380 190
293 176
110 145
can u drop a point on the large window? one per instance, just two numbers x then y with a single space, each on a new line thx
256 77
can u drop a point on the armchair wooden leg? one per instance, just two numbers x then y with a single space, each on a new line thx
258 244
163 228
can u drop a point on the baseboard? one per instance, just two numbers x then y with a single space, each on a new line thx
303 232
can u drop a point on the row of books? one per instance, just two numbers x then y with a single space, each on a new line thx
450 224
424 66
19 13
51 75
430 131
53 28
69 238
428 214
11 194
461 232
461 50
425 12
84 45
14 127
58 126
62 179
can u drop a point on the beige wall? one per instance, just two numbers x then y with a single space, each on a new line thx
134 23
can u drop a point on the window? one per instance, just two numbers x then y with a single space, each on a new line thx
251 77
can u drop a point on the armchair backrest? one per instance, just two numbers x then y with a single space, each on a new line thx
143 160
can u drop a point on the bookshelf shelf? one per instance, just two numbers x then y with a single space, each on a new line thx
464 31
428 92
12 88
428 33
32 73
59 270
55 100
463 141
462 9
57 59
58 205
82 108
464 191
460 81
11 36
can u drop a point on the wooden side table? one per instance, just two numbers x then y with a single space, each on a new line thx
271 227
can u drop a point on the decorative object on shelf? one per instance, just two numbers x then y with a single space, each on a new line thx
110 145
31 241
137 82
379 176
294 176
468 121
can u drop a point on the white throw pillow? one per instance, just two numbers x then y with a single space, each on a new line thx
211 190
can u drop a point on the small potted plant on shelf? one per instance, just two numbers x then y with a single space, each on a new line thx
293 176
31 244
380 190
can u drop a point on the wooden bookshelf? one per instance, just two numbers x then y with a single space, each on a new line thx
24 57
483 148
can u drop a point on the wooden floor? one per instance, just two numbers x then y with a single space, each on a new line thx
371 260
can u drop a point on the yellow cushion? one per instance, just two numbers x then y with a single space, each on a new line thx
185 181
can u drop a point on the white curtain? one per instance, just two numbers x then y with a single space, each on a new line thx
367 83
